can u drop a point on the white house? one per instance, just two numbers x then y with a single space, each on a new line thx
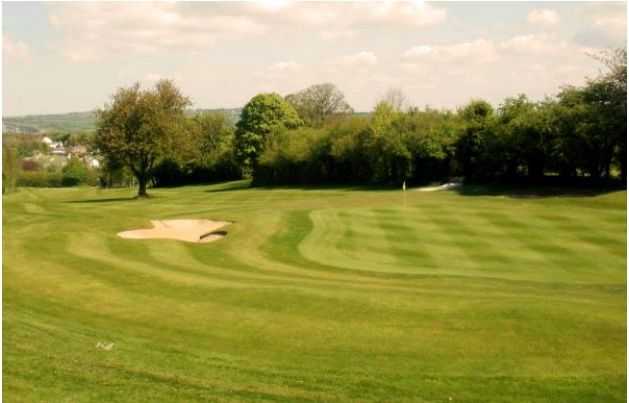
93 162
57 148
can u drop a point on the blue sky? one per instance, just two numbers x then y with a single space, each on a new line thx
62 57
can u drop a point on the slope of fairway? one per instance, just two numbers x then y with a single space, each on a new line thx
315 295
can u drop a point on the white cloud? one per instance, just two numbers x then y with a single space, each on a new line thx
223 53
363 58
285 66
405 12
492 69
543 16
614 25
532 44
483 51
94 30
339 15
476 51
479 51
417 52
15 51
338 34
152 77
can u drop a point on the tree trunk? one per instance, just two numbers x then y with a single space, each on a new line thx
142 186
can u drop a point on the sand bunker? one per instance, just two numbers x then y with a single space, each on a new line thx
445 186
198 231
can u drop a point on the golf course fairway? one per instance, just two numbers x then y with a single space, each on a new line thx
337 294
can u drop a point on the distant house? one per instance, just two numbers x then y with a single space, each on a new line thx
57 148
79 150
93 162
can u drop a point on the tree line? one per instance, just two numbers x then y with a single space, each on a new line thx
314 136
581 132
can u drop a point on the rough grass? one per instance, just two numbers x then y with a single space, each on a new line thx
315 295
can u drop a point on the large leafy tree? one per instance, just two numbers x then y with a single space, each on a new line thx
389 156
139 127
525 136
261 116
396 98
476 137
214 136
430 136
591 122
319 102
607 97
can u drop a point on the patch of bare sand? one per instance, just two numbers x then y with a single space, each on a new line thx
197 231
445 186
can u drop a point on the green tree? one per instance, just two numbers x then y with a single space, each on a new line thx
395 98
429 136
476 137
213 137
389 156
74 173
140 127
261 116
383 116
318 103
591 121
572 150
525 136
294 156
591 126
350 148
607 97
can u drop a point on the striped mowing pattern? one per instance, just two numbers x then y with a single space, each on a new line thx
315 295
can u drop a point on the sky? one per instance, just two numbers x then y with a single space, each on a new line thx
66 57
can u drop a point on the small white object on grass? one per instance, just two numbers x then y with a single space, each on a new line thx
105 346
404 186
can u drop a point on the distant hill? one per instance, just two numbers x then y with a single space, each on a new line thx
233 114
76 121
63 122
84 121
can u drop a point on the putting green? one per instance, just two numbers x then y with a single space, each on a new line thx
315 295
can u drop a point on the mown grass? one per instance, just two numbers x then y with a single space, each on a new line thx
315 295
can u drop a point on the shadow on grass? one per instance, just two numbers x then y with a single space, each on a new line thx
247 185
522 191
108 200
549 187
230 186
546 189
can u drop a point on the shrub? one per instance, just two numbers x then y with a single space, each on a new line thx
170 173
40 179
30 165
294 156
76 173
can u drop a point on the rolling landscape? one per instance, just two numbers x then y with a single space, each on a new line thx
417 202
316 295
76 121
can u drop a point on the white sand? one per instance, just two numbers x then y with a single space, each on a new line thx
198 231
445 186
